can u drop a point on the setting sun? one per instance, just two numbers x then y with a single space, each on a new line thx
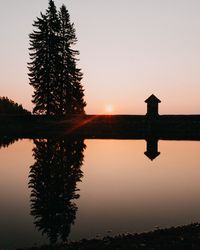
109 108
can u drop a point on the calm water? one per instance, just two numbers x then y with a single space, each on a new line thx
73 189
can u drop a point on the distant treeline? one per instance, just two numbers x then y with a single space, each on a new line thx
9 107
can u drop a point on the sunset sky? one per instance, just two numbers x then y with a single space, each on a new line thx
129 49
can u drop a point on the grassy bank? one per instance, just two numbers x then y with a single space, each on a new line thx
102 126
183 238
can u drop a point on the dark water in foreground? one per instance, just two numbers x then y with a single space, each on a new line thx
71 189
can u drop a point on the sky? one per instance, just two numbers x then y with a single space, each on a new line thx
129 49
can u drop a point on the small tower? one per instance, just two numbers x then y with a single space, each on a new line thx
152 106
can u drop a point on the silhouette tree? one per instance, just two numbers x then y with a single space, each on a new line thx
71 91
53 71
9 107
44 57
53 180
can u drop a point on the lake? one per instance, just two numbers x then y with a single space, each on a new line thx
54 190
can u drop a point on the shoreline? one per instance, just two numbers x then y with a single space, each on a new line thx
174 238
102 126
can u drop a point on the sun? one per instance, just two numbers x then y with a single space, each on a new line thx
109 108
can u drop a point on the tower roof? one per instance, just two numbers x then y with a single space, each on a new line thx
152 98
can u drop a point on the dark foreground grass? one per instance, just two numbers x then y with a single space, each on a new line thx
184 237
102 126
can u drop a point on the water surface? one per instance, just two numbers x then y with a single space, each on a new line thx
73 189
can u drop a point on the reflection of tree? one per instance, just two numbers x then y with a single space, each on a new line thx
53 179
6 141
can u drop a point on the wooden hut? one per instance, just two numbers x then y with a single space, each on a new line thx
152 106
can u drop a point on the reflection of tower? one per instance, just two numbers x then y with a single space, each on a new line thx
53 180
152 148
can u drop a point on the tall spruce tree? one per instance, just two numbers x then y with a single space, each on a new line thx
44 57
53 68
71 91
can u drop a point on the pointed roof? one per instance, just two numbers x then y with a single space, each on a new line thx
152 98
152 155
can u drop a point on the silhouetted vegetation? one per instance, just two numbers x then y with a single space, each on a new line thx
53 180
179 238
6 141
9 107
53 68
